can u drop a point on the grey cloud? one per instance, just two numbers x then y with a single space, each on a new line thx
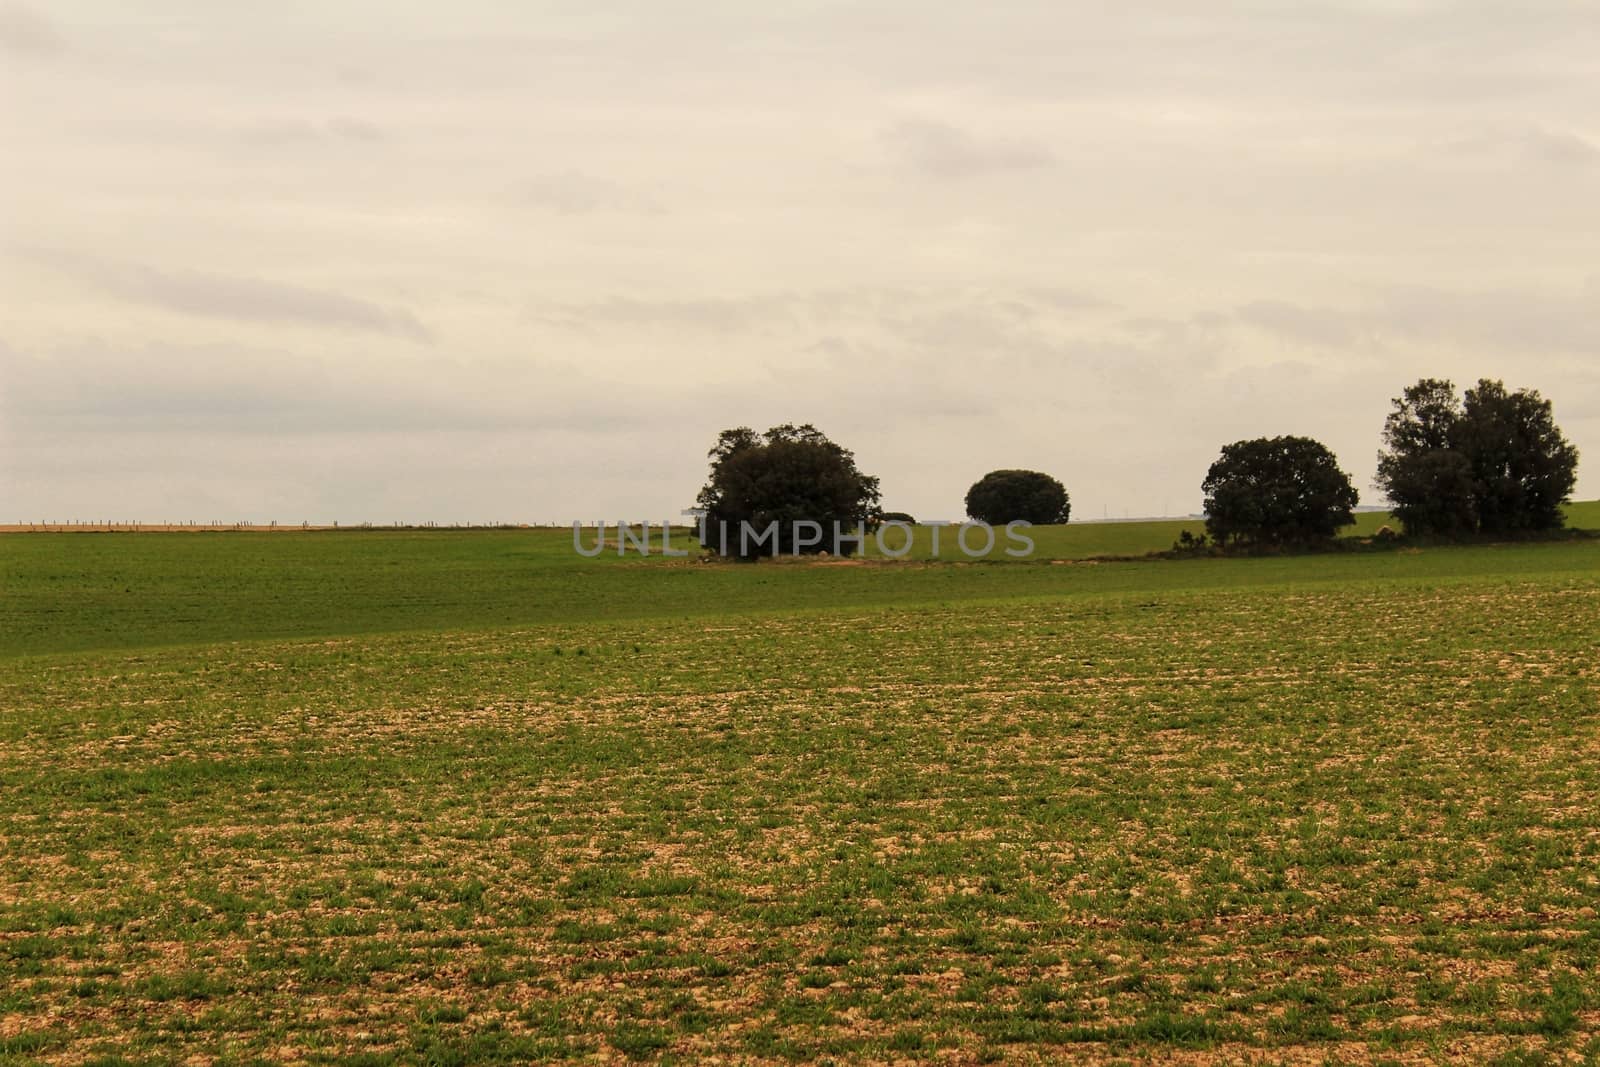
26 32
299 131
573 193
939 353
1065 299
352 129
1317 326
944 151
1530 140
709 315
1507 322
1562 147
233 390
242 299
901 310
1288 165
1515 321
282 132
942 353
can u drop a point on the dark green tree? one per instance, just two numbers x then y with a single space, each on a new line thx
1493 462
1006 496
788 475
1277 491
1523 467
1429 484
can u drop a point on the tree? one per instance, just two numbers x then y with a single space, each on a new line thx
1279 491
791 474
1429 484
1006 496
1523 467
1493 462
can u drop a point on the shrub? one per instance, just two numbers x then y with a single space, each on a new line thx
1277 491
788 475
1006 496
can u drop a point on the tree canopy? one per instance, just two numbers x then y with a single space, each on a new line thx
1491 462
1277 491
791 474
1006 496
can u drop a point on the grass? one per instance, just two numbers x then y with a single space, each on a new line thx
123 590
1088 540
451 798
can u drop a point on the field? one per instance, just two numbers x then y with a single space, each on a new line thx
462 797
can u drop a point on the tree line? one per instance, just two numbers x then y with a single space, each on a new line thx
1489 462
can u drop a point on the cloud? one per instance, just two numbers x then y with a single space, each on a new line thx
299 131
944 151
1516 322
707 315
242 299
1379 189
827 313
929 348
1558 146
1521 322
572 193
1530 140
1325 327
352 129
91 386
26 32
226 431
1065 300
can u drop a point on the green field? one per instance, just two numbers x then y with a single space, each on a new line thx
460 797
1086 540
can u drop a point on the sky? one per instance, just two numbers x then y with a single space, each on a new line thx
512 260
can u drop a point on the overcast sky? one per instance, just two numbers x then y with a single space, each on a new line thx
506 259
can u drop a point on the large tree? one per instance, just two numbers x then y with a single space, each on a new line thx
791 474
1428 482
1278 491
1006 496
1523 467
1492 462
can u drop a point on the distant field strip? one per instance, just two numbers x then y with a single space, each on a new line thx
1341 807
78 592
